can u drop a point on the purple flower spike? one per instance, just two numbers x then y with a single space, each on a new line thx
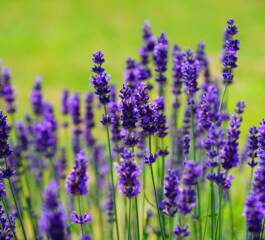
81 219
65 102
160 58
192 171
89 120
129 182
177 74
100 79
74 108
76 181
53 219
252 146
181 231
5 150
229 153
171 191
254 213
36 97
229 55
190 71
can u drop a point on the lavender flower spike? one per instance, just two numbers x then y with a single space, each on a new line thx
5 150
76 181
129 182
229 55
53 219
36 97
100 78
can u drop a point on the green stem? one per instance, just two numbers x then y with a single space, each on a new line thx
198 211
171 226
222 99
112 176
137 218
80 212
143 201
212 209
220 212
233 235
17 208
129 220
154 189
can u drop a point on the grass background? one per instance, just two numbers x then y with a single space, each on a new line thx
56 38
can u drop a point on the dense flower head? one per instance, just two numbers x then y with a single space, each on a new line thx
190 71
61 163
186 200
180 231
130 75
81 219
177 74
89 120
129 182
204 63
65 102
207 111
160 57
5 150
74 108
171 191
148 43
229 153
150 158
254 213
192 171
36 98
109 207
6 232
115 123
129 112
76 181
8 91
53 219
159 104
44 138
223 178
252 146
148 118
229 55
22 135
100 79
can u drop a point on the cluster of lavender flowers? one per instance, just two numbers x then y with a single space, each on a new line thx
174 175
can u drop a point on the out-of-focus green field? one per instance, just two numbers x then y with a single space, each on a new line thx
56 38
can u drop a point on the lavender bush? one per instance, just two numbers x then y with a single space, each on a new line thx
149 168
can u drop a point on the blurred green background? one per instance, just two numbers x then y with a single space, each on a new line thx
56 38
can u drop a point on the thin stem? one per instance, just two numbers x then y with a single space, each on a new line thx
154 188
198 212
129 220
220 212
222 99
17 208
212 209
171 226
233 235
112 177
80 212
8 217
137 218
143 202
